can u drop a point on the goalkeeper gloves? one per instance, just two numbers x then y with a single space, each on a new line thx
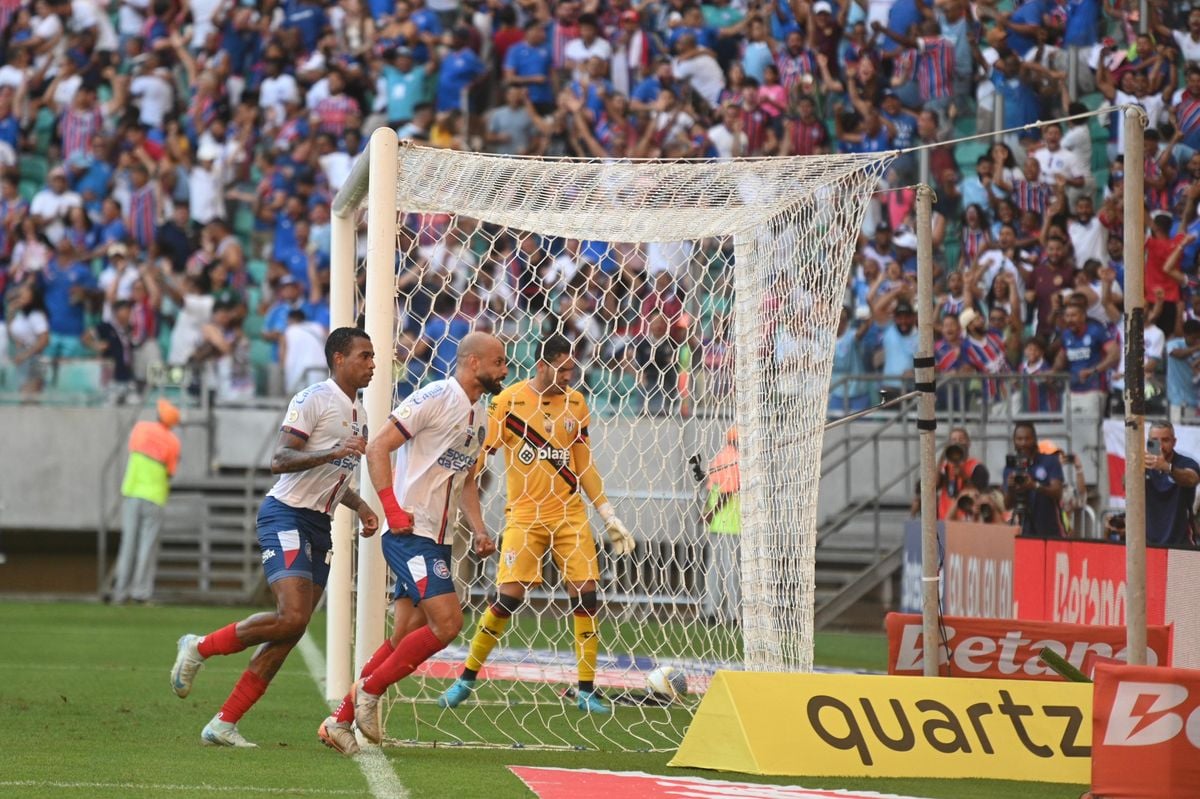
622 541
399 520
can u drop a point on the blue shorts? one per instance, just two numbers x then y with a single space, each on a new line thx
421 566
294 542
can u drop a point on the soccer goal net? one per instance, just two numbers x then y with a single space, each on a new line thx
702 300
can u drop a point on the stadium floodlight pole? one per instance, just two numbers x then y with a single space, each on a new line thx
338 598
927 425
380 307
1135 395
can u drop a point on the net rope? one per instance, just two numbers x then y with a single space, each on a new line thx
699 295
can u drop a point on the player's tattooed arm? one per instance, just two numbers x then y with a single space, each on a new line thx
370 521
290 455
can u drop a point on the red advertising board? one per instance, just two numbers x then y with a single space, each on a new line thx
978 572
1082 582
1145 733
1009 648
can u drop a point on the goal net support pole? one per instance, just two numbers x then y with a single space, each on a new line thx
1135 396
339 590
380 308
923 372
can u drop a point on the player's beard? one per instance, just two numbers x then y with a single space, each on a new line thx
491 385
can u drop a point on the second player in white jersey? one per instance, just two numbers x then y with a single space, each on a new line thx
322 416
445 433
436 436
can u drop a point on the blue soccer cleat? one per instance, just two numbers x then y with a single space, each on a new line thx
590 702
456 694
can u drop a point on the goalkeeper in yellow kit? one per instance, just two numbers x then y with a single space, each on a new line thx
542 426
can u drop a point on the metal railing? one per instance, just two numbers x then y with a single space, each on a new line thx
989 412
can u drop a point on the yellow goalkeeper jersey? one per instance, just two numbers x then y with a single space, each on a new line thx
546 450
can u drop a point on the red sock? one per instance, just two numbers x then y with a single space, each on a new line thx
412 651
381 654
345 711
249 689
222 642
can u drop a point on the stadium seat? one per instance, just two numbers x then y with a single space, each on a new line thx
243 221
28 189
257 269
78 376
262 353
43 130
967 153
252 325
33 168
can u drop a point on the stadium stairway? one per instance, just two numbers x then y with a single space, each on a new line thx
208 549
855 573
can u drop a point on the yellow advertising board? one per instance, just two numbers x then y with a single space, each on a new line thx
833 725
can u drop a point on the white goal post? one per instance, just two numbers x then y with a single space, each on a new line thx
740 269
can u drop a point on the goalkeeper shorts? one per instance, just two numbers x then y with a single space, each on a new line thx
524 544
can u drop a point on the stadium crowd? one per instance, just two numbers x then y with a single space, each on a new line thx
168 167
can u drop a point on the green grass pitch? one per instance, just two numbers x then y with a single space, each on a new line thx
88 712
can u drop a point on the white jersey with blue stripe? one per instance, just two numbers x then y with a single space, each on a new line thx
323 416
445 433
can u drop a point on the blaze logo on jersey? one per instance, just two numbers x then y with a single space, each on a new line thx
416 570
289 542
529 453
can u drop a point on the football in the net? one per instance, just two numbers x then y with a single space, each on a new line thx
667 682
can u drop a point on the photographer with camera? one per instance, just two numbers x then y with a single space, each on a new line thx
979 502
1171 479
1033 485
955 470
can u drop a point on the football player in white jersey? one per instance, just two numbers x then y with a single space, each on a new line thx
439 430
320 442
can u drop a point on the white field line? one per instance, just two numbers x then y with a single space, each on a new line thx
153 786
381 778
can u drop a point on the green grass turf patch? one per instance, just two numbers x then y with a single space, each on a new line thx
89 712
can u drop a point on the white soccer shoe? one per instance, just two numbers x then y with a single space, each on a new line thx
187 663
338 736
366 714
224 733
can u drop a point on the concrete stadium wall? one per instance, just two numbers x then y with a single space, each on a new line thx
53 464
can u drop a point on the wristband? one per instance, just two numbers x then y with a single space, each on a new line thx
397 517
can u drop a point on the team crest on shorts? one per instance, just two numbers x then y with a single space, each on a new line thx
441 569
510 559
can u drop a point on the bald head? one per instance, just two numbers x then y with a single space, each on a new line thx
482 365
478 345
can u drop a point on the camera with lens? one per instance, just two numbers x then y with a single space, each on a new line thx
1022 482
1114 528
1019 464
952 456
